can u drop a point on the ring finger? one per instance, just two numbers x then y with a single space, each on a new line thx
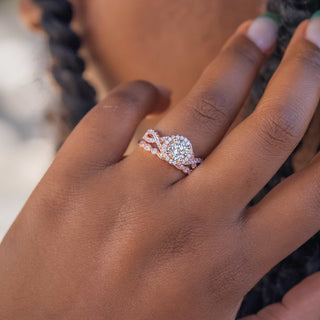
206 113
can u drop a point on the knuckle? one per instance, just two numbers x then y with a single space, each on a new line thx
142 91
309 58
278 130
181 238
125 98
210 111
143 86
245 50
130 97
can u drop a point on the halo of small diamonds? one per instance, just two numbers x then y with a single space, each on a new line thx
176 150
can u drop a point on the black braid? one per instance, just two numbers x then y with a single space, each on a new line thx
78 96
306 260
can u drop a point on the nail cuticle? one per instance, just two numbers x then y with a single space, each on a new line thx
313 29
264 30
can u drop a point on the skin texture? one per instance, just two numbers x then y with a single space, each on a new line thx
176 35
168 43
107 237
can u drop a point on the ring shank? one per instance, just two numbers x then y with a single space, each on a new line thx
176 150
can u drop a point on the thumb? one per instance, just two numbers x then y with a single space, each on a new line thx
301 302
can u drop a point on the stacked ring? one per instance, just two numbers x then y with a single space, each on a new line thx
176 150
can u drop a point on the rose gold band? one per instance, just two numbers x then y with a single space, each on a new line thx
176 150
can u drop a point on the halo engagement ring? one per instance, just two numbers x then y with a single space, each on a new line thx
176 150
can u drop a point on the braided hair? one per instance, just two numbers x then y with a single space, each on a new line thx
78 96
305 260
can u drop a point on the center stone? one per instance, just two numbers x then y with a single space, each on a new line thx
179 149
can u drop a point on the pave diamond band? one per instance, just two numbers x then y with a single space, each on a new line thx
176 150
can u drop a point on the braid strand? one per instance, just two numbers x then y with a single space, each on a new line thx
78 96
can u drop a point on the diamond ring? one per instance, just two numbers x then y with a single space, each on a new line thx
176 150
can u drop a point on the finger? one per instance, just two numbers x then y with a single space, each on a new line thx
208 110
301 302
288 216
252 153
102 137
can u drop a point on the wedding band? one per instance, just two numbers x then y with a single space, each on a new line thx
176 150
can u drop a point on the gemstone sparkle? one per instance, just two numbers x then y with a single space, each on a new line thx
179 149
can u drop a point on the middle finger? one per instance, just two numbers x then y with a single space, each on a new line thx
253 152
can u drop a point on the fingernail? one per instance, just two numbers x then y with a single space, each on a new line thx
164 91
264 31
313 30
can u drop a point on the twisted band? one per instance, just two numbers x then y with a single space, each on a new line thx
176 150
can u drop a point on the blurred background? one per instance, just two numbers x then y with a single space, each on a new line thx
27 141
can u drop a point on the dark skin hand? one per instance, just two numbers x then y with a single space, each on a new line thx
107 237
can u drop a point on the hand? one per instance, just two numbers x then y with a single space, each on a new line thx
107 237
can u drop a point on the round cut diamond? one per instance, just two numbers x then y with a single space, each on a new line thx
179 149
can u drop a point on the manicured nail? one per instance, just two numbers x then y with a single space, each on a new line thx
264 31
313 30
